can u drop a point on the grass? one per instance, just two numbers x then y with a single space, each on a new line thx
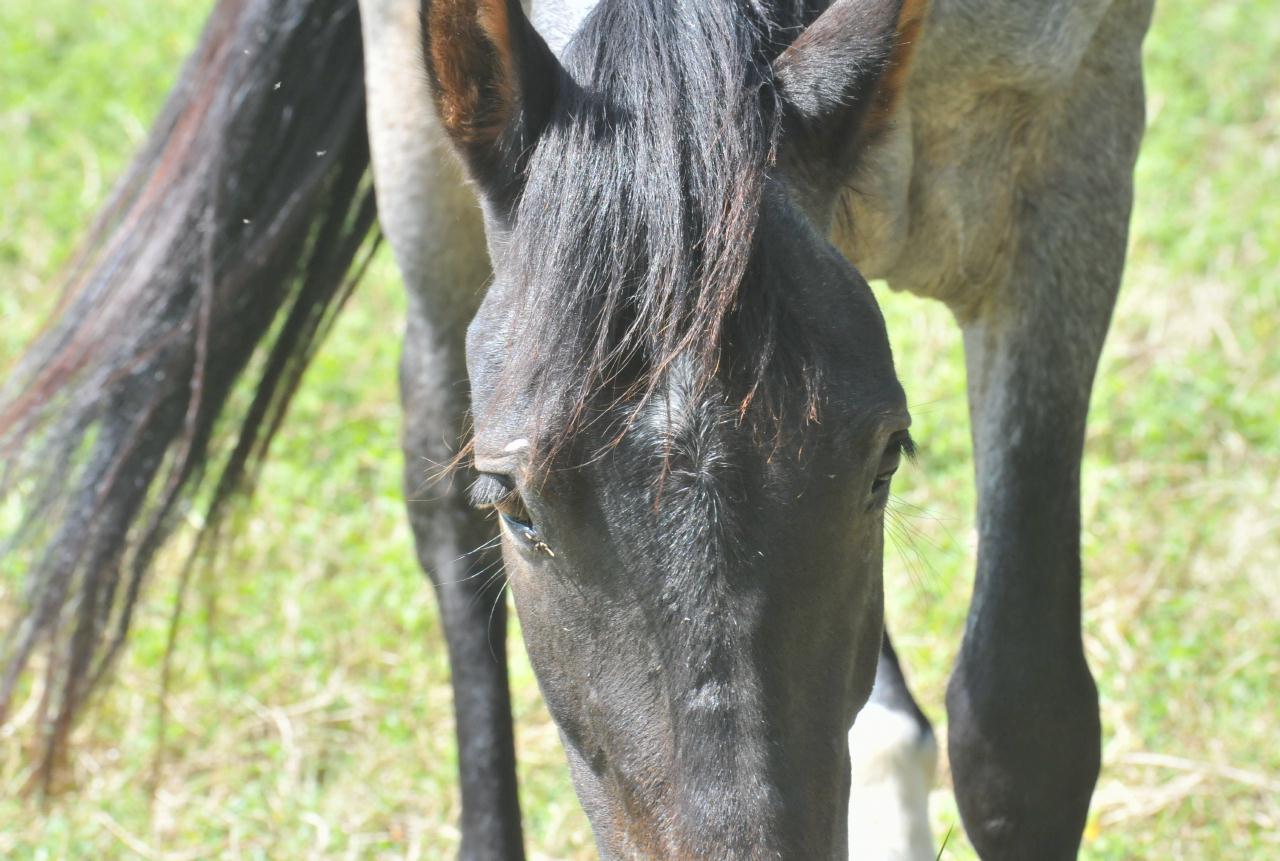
310 708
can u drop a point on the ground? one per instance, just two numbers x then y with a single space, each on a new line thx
310 712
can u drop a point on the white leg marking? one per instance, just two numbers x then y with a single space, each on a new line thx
894 762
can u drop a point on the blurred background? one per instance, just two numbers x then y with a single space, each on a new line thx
310 712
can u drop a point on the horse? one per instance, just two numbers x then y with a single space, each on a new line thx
682 404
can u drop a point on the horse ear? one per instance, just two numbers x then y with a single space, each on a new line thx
841 78
494 81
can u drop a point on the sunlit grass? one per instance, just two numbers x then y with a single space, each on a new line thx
310 711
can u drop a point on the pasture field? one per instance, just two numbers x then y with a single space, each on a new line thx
309 706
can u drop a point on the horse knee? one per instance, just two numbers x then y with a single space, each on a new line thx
1025 750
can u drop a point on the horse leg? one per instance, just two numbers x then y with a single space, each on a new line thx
433 225
894 756
456 548
1024 735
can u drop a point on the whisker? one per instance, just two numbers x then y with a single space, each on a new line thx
905 523
498 571
919 511
909 513
906 537
905 556
488 627
926 406
436 470
482 572
492 542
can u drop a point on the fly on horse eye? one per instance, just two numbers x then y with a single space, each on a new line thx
526 532
491 491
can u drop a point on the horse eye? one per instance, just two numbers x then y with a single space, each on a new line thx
899 444
498 492
512 508
489 489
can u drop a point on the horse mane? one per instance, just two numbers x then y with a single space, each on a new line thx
636 228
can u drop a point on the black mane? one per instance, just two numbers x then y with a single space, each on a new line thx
637 226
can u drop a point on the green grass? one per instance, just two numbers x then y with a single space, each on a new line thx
310 708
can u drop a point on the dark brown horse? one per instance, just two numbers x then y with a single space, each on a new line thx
685 409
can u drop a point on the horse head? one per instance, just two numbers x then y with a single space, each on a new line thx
686 415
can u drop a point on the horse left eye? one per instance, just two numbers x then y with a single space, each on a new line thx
899 444
881 483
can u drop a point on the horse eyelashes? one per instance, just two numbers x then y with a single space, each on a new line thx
488 490
906 445
497 492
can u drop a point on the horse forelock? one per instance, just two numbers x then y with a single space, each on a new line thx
636 229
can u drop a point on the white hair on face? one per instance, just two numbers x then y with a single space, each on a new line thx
516 445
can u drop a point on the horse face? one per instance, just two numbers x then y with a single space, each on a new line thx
703 607
697 570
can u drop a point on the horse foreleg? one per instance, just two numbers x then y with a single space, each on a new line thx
894 757
457 549
433 225
1024 735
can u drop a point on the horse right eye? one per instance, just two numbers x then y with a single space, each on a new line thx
489 489
498 492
